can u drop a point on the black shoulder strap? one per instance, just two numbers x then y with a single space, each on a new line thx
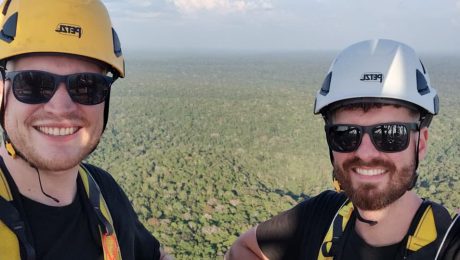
11 218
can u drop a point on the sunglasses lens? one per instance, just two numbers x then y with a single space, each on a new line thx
33 87
390 137
343 138
88 88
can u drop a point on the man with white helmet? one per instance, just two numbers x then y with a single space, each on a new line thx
377 103
58 61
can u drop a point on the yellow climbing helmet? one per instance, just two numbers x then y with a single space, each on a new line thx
79 27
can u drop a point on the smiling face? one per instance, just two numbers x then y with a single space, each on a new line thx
370 178
59 134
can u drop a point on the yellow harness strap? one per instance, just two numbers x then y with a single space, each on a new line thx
424 234
109 238
9 245
335 231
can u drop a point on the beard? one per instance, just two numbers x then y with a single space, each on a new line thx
56 163
53 161
368 196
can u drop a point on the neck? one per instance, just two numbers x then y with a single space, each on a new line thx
61 185
393 221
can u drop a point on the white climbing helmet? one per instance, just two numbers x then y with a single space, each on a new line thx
381 71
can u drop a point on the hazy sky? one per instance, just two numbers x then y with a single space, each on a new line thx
426 25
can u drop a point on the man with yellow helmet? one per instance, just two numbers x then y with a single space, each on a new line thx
377 103
58 60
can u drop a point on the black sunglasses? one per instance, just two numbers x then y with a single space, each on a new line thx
35 87
386 137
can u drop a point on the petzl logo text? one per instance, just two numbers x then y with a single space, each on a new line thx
69 29
372 76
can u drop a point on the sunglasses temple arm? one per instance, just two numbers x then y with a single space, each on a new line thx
415 175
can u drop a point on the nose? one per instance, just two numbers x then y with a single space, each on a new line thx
366 150
60 102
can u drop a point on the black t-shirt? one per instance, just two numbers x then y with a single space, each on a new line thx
299 232
356 248
75 227
61 232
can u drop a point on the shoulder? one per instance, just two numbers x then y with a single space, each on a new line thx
326 201
329 196
104 180
323 204
98 173
112 193
299 231
318 208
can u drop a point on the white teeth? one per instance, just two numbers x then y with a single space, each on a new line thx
57 131
369 172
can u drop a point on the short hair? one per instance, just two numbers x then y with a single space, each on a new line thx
366 106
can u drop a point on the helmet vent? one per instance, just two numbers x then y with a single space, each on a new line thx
9 28
326 85
116 44
422 84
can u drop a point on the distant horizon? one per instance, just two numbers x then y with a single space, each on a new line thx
204 51
427 26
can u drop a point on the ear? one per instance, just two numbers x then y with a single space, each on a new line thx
423 143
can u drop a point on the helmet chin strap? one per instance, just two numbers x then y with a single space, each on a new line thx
14 153
367 221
